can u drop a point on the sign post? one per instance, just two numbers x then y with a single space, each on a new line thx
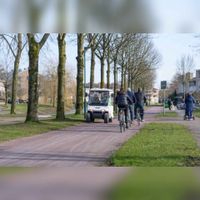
163 87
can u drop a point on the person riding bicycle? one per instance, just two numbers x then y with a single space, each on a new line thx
122 102
131 103
189 105
140 101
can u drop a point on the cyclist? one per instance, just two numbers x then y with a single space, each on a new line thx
122 102
131 103
140 101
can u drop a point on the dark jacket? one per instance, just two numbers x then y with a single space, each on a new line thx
140 98
131 97
189 102
122 99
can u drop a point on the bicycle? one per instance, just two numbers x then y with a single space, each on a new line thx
121 118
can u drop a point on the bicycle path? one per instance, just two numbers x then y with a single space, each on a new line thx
81 145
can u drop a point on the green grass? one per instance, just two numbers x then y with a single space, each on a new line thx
9 132
159 144
157 184
168 114
21 110
197 113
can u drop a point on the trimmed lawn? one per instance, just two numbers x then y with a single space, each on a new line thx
168 114
159 144
197 113
9 132
21 110
157 184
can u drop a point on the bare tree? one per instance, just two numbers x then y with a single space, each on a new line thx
6 78
33 93
80 68
184 67
16 45
60 115
93 42
101 54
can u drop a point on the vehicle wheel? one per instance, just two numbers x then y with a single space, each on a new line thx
88 118
110 120
106 118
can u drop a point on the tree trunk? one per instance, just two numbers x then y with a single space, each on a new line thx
122 77
125 81
33 93
15 74
115 82
129 79
102 72
6 95
54 94
80 68
108 72
92 68
60 114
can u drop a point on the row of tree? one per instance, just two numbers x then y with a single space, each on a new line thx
132 56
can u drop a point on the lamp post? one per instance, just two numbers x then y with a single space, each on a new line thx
85 104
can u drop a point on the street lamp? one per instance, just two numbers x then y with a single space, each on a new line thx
85 105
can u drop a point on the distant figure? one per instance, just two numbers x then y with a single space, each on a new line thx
140 101
189 105
169 102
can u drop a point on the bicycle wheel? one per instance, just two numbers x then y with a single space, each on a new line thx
121 127
124 127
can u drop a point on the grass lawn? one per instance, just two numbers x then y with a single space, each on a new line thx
157 184
168 114
21 110
159 144
197 113
9 132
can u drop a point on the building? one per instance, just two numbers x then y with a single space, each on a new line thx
22 89
192 84
152 96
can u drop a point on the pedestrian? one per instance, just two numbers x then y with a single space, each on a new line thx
140 101
131 103
189 105
169 102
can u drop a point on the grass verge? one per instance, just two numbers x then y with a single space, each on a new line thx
167 114
197 113
159 144
156 184
9 132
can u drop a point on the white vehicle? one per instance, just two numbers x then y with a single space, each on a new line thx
100 105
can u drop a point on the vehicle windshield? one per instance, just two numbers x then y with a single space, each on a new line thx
99 98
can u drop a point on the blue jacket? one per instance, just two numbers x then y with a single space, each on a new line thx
189 102
131 97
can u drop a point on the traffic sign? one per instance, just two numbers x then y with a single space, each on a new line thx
163 85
